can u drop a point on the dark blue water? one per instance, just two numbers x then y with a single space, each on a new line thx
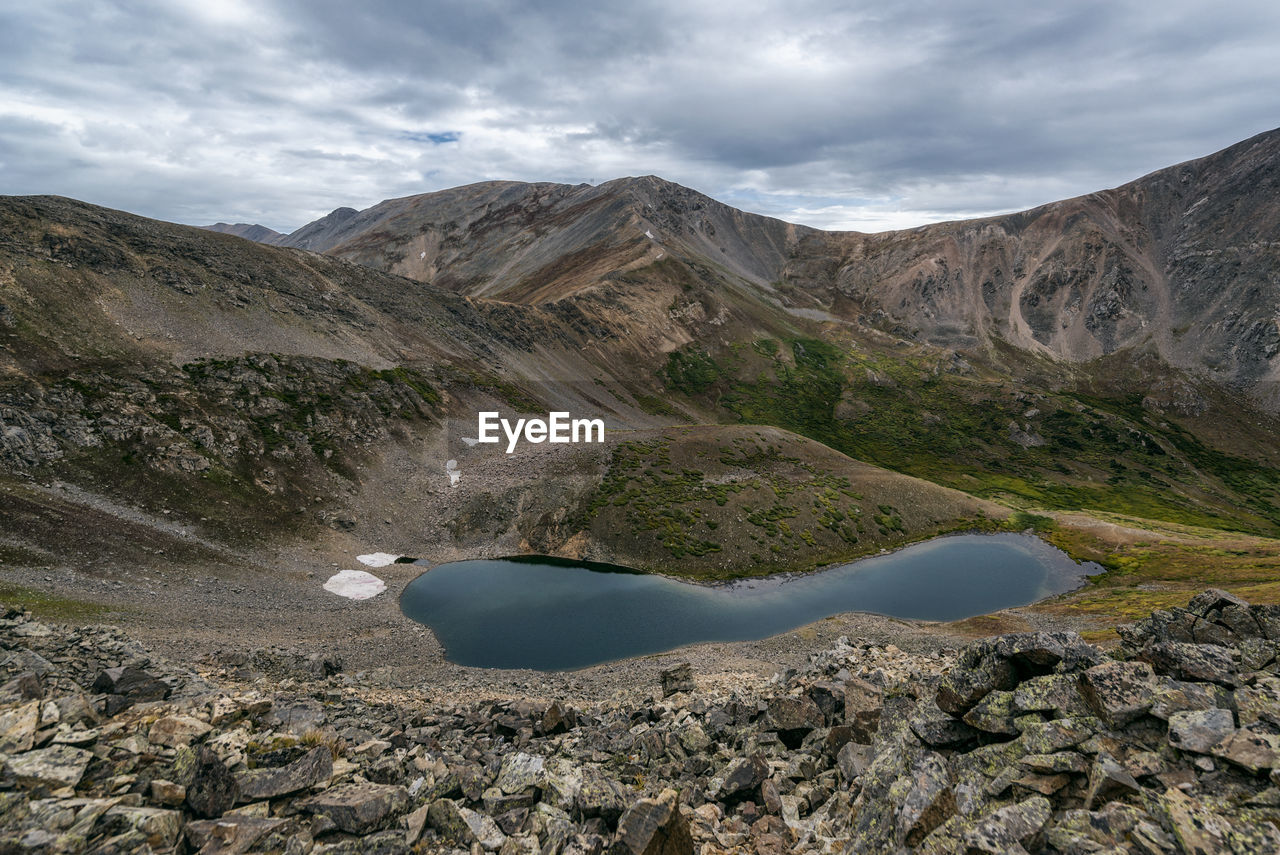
551 614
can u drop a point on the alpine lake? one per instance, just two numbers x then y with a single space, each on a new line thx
554 614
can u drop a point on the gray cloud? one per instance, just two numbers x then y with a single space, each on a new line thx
838 114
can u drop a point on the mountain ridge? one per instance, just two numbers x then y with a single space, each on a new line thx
1131 267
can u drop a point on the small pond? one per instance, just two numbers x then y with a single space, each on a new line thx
551 614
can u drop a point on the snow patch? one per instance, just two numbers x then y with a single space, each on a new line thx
355 585
455 474
470 441
422 255
377 559
649 235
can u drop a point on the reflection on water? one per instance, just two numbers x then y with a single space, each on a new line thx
552 614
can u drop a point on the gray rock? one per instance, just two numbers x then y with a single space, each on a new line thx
1108 779
359 808
1118 692
58 766
1213 599
677 679
862 705
18 727
853 760
600 796
232 834
928 803
158 827
654 827
557 718
1206 663
1009 828
132 684
995 713
463 826
1259 702
521 771
962 688
1250 747
793 718
314 767
176 730
1200 730
743 777
213 789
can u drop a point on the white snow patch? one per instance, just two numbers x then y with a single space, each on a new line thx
649 235
470 441
422 255
355 585
377 559
455 474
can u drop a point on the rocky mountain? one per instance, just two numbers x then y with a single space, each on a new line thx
257 233
1180 263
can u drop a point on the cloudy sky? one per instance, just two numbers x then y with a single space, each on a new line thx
860 115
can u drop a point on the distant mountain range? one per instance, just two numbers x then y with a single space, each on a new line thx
1181 262
1117 352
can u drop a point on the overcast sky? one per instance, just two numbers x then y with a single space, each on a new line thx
857 115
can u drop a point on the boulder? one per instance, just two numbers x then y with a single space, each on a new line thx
58 766
520 771
463 826
159 827
314 767
962 687
654 827
557 718
1200 730
359 808
793 718
1205 663
176 730
1008 829
132 684
1108 779
1118 692
232 834
743 777
677 679
18 726
862 704
929 802
1250 747
213 789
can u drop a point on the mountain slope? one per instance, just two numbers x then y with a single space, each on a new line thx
254 232
1180 262
163 387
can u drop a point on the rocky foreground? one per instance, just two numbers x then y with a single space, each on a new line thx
1035 742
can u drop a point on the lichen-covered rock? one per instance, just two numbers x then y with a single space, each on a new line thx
1252 747
359 808
1118 692
212 790
928 802
314 767
1199 662
57 766
677 679
1200 730
654 827
963 687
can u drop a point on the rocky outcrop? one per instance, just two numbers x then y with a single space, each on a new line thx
1034 742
